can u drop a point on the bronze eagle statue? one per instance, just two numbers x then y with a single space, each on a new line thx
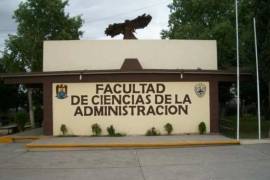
128 27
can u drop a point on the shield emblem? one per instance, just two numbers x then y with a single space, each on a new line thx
200 89
61 91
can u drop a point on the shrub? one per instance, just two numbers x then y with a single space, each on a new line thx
148 132
152 132
111 130
168 128
21 119
96 129
202 128
119 134
63 129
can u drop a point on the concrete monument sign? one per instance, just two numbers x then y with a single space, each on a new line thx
132 107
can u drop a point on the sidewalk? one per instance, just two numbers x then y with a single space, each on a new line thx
255 141
29 132
129 142
25 136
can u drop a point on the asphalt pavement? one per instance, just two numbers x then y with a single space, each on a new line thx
209 163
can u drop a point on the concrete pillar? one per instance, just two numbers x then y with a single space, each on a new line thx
214 107
47 109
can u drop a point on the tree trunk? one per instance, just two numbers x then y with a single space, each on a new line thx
31 112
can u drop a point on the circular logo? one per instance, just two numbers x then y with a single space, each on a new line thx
200 89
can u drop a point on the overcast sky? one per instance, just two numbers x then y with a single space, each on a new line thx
97 14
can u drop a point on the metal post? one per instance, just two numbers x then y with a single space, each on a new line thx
258 83
238 73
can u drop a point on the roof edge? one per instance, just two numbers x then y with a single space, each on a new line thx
114 71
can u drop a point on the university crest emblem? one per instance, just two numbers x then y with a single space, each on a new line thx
61 91
200 89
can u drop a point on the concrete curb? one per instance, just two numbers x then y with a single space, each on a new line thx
134 145
11 139
5 140
255 141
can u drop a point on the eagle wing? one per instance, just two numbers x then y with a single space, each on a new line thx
119 28
114 29
141 21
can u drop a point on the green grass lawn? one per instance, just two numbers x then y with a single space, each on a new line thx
248 126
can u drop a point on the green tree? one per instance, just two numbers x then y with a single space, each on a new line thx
38 20
204 19
211 19
10 96
262 13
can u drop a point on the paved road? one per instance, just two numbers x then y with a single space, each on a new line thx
227 162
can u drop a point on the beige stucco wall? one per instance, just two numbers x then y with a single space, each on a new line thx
198 110
110 54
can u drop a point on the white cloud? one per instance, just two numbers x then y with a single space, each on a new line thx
8 25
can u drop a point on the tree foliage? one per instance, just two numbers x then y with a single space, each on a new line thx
38 20
263 27
211 19
262 12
